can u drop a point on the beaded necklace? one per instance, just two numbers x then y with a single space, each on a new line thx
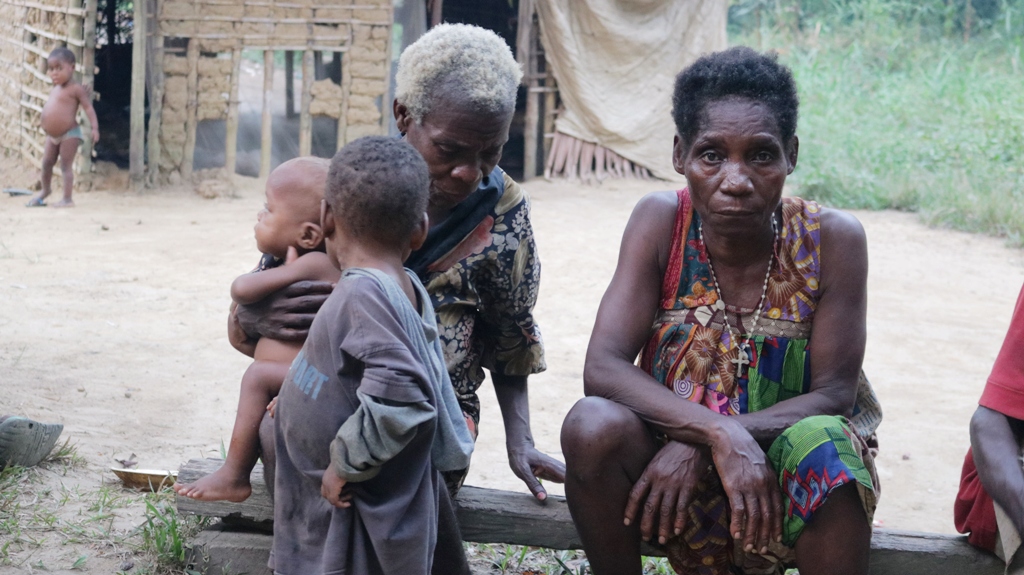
744 354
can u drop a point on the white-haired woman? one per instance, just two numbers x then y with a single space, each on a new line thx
454 100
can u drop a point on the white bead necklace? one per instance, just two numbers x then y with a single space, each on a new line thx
744 354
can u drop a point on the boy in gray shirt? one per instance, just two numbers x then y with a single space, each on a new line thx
367 416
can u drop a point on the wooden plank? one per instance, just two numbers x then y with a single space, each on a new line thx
528 61
192 85
266 121
494 516
305 118
88 80
69 39
137 117
80 12
231 136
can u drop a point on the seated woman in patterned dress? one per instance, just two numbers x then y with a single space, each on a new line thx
738 442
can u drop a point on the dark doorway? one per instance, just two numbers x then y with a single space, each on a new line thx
113 82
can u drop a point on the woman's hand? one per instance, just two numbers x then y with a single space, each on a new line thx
331 488
531 466
665 490
285 315
752 487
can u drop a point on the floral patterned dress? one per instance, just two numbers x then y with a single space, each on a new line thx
691 351
481 270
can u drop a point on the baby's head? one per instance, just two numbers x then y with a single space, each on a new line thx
377 191
291 216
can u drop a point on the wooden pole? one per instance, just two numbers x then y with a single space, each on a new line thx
305 119
192 85
289 83
137 127
156 103
525 53
435 12
346 89
550 112
88 76
266 125
231 136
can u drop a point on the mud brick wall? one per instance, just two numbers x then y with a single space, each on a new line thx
359 28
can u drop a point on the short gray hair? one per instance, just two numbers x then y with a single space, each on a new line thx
475 59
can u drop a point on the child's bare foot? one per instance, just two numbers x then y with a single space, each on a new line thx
221 485
64 204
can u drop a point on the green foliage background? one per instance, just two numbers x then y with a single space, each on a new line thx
908 105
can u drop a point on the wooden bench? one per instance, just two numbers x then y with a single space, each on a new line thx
241 543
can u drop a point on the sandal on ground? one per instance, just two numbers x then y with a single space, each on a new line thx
36 203
24 442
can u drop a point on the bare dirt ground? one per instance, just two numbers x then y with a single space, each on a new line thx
112 322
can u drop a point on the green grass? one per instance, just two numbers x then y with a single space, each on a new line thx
43 507
896 114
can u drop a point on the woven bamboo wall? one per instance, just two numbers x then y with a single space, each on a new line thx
217 30
29 30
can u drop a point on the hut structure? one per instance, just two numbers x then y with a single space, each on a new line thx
594 108
186 68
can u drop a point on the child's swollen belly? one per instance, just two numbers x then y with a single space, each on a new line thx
58 117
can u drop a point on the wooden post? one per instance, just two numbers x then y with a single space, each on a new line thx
266 127
549 110
156 103
346 89
137 143
435 12
289 83
192 85
88 76
305 119
525 52
231 136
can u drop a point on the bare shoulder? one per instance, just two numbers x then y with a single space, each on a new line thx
840 228
844 249
318 266
655 212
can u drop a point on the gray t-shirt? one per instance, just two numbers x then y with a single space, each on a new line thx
358 352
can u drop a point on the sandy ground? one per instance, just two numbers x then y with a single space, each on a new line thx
112 322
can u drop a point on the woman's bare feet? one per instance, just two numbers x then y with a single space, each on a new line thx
221 485
64 203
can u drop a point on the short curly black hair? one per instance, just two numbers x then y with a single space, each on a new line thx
62 54
378 188
736 72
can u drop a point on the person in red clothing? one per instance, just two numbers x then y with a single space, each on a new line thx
990 504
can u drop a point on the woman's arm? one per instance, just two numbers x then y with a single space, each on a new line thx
839 334
252 287
995 443
623 325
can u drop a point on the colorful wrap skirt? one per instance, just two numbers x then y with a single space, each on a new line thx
812 458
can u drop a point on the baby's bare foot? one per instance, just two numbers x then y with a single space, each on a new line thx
221 485
64 204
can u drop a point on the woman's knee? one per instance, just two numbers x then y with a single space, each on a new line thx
596 428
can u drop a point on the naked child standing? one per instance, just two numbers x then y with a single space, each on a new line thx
63 134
